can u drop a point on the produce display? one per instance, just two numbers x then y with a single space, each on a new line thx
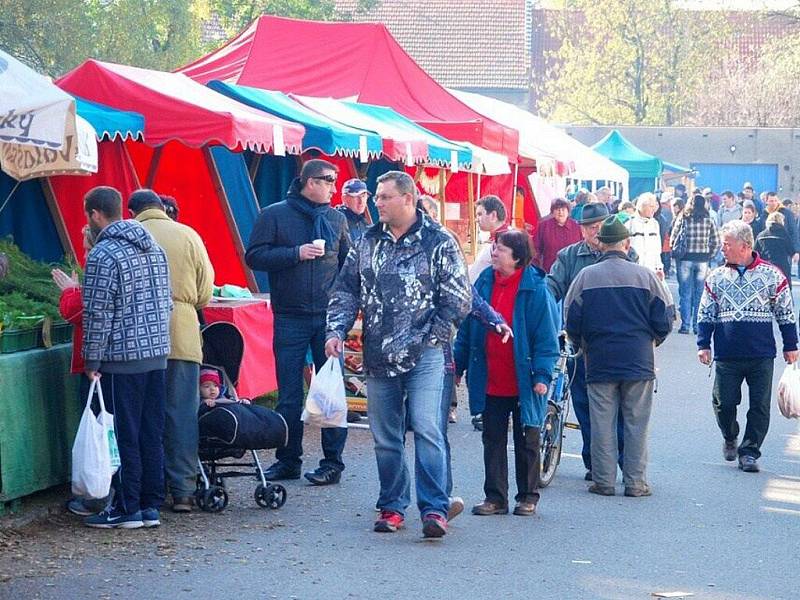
28 301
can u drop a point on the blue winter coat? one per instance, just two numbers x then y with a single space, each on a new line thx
535 324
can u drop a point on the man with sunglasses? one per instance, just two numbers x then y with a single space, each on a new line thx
301 243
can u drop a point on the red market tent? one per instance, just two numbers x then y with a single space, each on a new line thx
360 61
190 132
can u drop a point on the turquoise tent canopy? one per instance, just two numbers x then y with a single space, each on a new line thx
322 133
110 123
643 168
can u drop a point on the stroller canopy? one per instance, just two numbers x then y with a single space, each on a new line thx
223 346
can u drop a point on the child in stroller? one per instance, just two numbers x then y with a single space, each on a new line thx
230 426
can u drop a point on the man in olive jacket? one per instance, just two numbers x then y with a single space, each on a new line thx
192 277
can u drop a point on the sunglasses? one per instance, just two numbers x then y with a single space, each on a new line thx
328 178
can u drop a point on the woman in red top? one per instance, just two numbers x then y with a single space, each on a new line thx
511 379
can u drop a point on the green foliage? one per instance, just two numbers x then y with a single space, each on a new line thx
235 15
29 277
630 62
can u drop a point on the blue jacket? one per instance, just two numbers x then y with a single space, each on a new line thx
618 312
535 345
127 302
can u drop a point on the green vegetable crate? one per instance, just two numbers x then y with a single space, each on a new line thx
17 340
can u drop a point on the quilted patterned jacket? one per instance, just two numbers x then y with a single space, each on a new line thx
126 302
413 291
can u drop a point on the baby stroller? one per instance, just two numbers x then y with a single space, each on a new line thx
231 429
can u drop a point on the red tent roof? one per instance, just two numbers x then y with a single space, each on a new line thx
347 60
177 108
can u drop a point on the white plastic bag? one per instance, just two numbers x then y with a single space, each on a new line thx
326 405
789 392
95 456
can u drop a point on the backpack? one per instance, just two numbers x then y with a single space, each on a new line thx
681 245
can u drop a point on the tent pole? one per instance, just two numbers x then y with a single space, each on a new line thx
471 216
478 194
514 197
229 220
254 167
442 183
151 172
58 219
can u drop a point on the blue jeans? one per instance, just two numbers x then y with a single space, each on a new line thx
418 399
580 404
691 277
138 405
181 434
292 337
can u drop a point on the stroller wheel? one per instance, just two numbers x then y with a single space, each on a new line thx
270 496
214 499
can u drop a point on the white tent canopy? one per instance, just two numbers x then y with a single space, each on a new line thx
32 109
539 140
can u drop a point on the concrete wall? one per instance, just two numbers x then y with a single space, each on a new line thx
684 145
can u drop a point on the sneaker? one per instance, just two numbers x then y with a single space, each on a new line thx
748 464
684 330
388 522
455 508
324 475
434 526
151 517
452 415
113 519
477 422
79 506
729 450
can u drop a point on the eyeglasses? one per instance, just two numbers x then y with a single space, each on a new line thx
328 178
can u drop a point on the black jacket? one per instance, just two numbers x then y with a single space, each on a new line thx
774 244
296 287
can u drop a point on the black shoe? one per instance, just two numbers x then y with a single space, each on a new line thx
729 450
588 476
280 472
748 464
477 422
323 476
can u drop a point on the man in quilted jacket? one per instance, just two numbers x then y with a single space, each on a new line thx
126 312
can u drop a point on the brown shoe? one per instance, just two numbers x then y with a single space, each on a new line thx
525 509
182 504
486 508
638 492
601 490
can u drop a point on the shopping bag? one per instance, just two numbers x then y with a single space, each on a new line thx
95 455
326 405
789 392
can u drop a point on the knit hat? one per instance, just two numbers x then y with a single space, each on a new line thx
613 231
210 375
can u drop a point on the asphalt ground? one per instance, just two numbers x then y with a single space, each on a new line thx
709 530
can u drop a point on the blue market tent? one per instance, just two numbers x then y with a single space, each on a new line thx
644 168
25 214
326 135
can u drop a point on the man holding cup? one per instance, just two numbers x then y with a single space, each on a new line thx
301 243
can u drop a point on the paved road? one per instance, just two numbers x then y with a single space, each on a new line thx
709 529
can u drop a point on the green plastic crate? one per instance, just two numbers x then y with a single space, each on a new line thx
17 340
61 333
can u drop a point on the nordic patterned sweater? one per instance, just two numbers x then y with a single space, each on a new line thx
126 302
737 309
412 292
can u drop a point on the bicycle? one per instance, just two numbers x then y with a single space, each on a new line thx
558 399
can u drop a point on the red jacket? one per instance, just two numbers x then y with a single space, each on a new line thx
70 305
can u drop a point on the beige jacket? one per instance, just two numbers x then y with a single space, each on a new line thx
191 278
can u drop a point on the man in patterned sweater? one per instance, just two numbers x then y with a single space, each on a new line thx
408 277
126 311
739 302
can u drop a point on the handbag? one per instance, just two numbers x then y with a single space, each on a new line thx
681 245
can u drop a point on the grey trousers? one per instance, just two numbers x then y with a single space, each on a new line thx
634 401
180 428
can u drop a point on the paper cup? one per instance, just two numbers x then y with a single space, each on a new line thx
319 244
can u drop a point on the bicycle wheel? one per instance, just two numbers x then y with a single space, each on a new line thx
550 452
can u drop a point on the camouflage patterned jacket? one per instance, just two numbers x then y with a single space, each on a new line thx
412 292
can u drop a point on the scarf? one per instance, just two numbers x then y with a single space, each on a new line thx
315 212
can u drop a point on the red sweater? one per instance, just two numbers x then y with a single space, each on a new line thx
502 379
70 305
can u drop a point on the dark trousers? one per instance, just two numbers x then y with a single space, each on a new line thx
137 400
291 338
727 395
580 404
495 456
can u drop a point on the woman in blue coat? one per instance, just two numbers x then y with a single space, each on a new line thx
510 379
